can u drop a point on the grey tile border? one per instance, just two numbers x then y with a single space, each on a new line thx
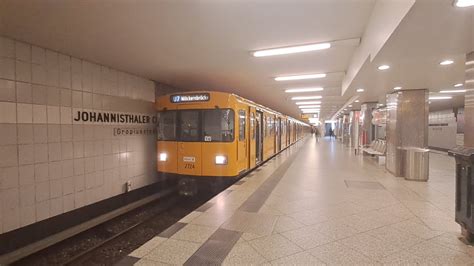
215 249
127 261
170 231
206 206
258 198
363 184
240 182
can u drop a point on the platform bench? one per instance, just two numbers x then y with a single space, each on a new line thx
377 148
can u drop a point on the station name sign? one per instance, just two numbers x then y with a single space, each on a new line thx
109 117
186 98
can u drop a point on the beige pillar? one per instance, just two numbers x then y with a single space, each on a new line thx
407 125
469 102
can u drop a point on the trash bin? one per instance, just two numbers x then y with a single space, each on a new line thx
464 190
417 164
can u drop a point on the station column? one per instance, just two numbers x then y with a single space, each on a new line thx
407 125
469 102
367 134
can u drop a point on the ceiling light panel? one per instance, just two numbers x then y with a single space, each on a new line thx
446 62
458 85
300 77
360 90
440 98
314 97
397 88
383 67
311 111
304 90
308 102
464 3
452 91
309 106
292 49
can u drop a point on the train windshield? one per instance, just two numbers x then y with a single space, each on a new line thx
218 125
189 129
167 125
214 125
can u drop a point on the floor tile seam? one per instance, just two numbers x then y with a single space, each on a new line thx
256 250
411 251
447 246
261 254
418 218
366 231
332 241
373 259
347 247
283 166
300 252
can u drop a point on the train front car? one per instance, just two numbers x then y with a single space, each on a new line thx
198 139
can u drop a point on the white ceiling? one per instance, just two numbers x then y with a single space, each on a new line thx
207 44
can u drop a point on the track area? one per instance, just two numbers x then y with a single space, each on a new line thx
111 241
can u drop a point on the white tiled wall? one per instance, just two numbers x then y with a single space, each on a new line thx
48 165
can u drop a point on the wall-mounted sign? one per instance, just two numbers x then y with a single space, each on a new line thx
186 98
108 117
134 131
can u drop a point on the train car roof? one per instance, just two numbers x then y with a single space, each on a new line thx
242 99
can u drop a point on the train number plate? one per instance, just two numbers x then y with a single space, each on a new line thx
188 159
189 166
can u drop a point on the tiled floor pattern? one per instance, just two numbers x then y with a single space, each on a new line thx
329 207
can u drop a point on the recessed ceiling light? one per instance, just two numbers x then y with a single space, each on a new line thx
356 101
458 85
298 77
452 91
397 88
446 62
292 49
311 111
440 98
360 90
464 3
306 97
383 67
310 102
304 90
309 106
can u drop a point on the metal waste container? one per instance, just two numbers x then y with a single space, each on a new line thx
465 190
417 163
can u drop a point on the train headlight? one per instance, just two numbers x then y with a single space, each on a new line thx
163 157
221 159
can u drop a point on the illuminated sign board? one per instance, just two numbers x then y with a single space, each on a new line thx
186 98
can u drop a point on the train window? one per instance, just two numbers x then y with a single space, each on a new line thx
242 121
218 125
252 124
189 125
167 125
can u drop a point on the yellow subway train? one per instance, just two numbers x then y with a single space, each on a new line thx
216 134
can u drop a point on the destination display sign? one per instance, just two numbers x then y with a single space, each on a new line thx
186 98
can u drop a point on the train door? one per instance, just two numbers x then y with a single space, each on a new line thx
279 134
275 134
242 146
288 138
259 137
252 138
189 145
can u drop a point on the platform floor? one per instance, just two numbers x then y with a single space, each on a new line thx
318 203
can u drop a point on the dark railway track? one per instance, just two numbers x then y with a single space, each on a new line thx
111 241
